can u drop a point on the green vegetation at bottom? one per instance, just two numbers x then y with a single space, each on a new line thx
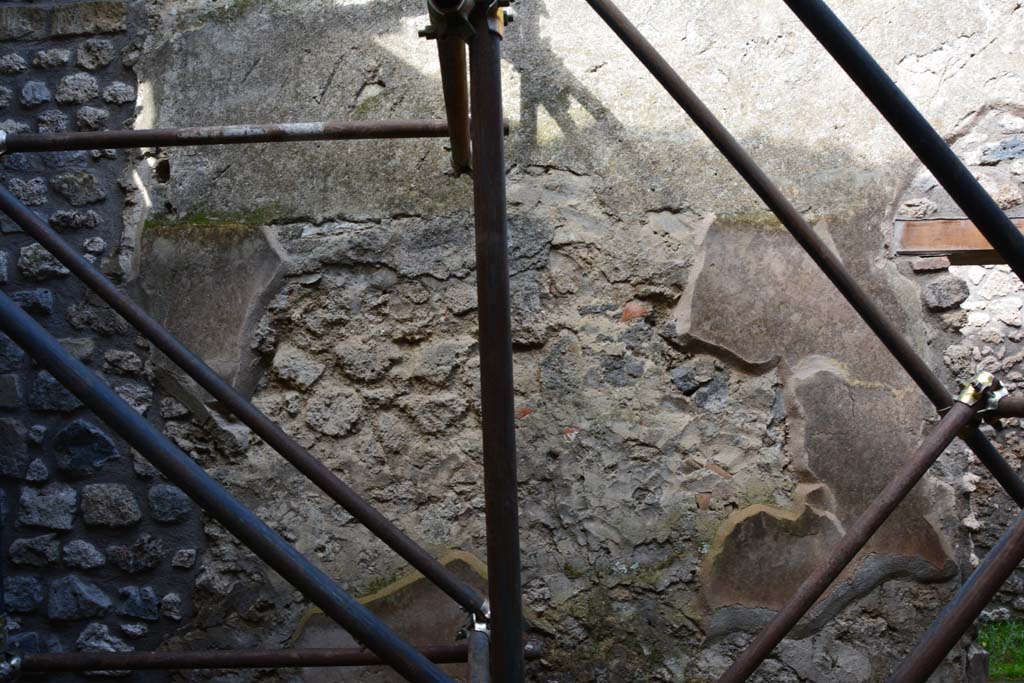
1004 641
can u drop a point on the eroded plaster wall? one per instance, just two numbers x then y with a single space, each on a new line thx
699 413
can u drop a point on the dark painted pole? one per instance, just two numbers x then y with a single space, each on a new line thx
451 51
815 247
915 130
943 635
264 427
856 536
478 668
1011 406
182 471
496 391
223 659
227 135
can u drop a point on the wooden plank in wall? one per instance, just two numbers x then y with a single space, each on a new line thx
958 238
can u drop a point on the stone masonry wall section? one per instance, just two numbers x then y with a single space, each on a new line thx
99 552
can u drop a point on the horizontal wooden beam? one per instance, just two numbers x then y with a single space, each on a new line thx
956 237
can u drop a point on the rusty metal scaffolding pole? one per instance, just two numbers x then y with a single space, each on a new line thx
223 659
451 51
225 135
494 305
855 538
318 473
449 25
65 662
478 668
957 617
241 522
804 234
914 128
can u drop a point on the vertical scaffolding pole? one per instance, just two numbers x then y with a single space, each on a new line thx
478 668
494 305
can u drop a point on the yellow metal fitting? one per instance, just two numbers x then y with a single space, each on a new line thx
978 389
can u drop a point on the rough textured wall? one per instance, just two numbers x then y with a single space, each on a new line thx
700 415
99 552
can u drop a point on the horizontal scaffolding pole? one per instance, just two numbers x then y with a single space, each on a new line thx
68 662
958 616
915 130
318 473
241 522
804 234
1011 406
855 538
223 659
226 135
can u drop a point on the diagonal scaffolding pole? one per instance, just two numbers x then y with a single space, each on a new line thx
213 498
497 397
815 247
957 617
915 130
856 536
318 473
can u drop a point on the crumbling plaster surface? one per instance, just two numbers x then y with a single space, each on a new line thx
699 413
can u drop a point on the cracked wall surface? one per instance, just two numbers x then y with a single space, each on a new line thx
699 414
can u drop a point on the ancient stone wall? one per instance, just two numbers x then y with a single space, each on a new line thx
699 414
99 552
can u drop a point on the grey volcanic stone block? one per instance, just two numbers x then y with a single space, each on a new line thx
50 395
139 603
36 263
69 219
52 59
82 449
110 505
119 93
944 293
35 301
168 503
79 554
184 558
97 637
39 551
79 188
10 391
14 457
95 53
23 594
34 93
142 555
73 598
11 355
77 89
51 507
37 471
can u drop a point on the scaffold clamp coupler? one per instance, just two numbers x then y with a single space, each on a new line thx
978 390
498 17
449 19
